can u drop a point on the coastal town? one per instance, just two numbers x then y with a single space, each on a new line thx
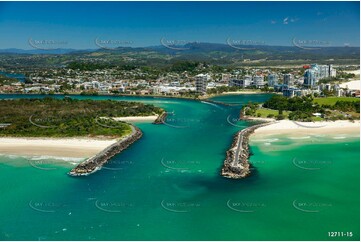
317 80
203 82
180 120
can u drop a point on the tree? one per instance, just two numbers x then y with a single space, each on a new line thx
280 117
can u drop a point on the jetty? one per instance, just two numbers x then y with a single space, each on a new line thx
161 118
219 103
96 162
236 164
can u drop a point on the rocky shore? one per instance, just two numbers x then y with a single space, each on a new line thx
161 118
242 115
219 103
96 162
236 165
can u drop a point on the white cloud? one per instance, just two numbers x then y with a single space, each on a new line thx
288 20
285 20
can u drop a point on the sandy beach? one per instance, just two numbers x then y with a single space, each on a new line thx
138 118
301 128
356 72
352 85
241 92
207 96
62 147
260 119
85 147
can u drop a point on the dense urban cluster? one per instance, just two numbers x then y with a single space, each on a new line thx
315 80
187 79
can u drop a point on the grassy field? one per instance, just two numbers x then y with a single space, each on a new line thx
265 112
317 119
333 100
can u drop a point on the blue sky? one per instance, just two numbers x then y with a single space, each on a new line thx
78 24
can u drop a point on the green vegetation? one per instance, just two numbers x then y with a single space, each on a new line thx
181 66
270 113
88 66
333 100
346 106
282 103
68 117
341 76
217 54
304 108
7 80
89 93
345 75
222 89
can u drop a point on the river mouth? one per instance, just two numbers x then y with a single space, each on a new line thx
167 186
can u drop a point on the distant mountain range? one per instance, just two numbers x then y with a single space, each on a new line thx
194 48
42 52
209 52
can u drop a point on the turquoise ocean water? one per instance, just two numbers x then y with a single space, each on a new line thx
167 185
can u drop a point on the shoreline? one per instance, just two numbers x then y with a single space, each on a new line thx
43 146
302 128
161 118
78 147
351 85
98 151
205 97
96 162
250 118
72 147
200 98
236 165
136 118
